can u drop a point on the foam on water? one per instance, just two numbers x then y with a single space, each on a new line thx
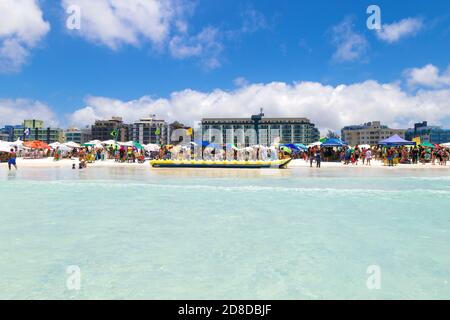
212 235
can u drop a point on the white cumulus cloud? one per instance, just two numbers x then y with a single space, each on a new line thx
14 111
132 22
350 45
22 27
206 45
395 31
328 106
428 76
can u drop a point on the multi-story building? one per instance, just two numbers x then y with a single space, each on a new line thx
35 130
150 130
4 136
103 130
79 136
426 133
7 132
368 133
243 130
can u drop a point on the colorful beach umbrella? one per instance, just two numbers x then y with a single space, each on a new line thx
286 149
137 145
36 145
428 145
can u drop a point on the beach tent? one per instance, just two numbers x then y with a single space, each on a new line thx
428 145
334 142
396 140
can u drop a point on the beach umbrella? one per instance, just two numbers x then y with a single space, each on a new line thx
94 142
88 144
54 145
315 144
286 149
18 143
109 142
301 146
445 145
36 145
137 145
72 144
334 142
428 145
152 147
5 146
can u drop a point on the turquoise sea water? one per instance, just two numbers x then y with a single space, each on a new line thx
271 234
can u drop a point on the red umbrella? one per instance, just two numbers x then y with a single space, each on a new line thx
36 145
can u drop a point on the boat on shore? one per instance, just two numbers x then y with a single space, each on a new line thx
278 164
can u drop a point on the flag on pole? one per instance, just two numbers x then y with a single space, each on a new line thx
417 141
190 132
158 131
26 132
114 134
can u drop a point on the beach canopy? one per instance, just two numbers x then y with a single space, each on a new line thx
428 145
36 145
445 145
334 142
396 140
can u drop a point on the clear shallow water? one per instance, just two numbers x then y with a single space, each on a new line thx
270 234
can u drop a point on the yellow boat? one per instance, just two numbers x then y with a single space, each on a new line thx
278 164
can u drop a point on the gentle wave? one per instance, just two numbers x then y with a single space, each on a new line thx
250 188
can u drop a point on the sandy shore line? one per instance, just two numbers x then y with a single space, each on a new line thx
67 163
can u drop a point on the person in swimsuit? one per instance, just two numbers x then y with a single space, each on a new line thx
12 159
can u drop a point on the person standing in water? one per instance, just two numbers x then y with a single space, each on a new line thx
318 158
12 159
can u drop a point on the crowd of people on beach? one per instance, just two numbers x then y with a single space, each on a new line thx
390 156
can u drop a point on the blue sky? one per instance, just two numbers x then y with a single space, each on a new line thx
234 47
